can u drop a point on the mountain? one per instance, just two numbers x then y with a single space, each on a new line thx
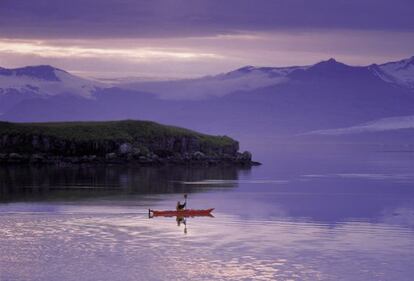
41 81
267 102
250 78
45 80
243 79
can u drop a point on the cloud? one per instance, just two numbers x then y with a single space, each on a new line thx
43 49
194 37
180 18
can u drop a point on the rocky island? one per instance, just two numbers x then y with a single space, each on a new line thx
115 142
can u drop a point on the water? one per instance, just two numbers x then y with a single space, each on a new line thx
306 214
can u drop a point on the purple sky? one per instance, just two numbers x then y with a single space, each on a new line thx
190 38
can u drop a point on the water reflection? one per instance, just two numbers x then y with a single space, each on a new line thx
130 247
314 216
182 220
30 183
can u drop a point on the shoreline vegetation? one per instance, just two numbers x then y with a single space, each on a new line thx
115 142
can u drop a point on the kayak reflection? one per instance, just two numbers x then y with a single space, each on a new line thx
182 220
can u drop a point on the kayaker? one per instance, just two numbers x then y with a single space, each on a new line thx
181 207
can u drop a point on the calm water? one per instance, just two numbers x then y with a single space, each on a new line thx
306 214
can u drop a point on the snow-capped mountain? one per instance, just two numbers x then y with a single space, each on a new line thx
44 80
47 81
250 101
243 79
250 78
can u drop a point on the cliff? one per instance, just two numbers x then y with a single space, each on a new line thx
140 142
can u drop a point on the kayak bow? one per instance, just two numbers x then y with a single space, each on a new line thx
182 213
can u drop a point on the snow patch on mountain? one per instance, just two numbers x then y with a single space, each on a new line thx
267 71
384 124
377 71
402 71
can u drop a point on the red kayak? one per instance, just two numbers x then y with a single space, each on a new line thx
182 213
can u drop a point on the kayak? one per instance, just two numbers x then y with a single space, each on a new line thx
182 213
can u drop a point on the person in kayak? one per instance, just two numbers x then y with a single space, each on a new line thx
181 207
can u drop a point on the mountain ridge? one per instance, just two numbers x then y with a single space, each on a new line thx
248 77
262 101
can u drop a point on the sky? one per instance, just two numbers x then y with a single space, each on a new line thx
177 38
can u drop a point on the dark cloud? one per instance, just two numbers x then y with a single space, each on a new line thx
172 18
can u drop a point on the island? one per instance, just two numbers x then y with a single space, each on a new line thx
115 142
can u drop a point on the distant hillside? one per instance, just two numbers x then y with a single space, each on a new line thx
142 142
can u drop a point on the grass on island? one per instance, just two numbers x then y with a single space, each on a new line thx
125 130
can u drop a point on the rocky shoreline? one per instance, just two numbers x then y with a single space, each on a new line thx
195 159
